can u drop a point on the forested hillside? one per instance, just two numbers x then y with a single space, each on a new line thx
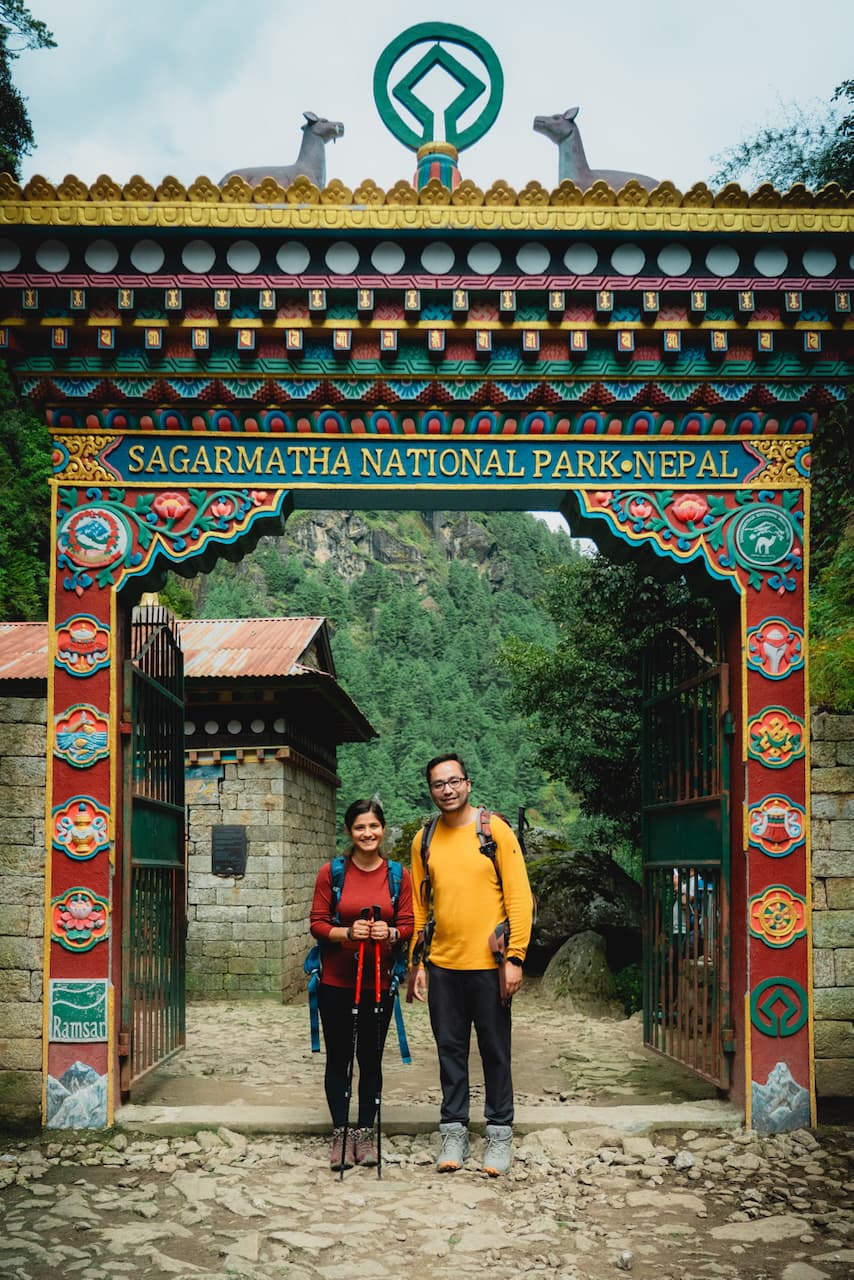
418 605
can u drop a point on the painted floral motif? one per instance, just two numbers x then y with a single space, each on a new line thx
81 736
82 645
79 919
120 533
775 737
80 828
775 648
756 535
778 916
777 825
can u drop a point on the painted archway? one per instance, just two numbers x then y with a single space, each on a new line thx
651 364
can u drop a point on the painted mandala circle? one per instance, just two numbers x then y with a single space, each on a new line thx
93 537
763 536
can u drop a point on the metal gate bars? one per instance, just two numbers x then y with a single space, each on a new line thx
685 790
154 913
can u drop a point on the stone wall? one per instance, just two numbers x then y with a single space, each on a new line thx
249 937
833 902
22 800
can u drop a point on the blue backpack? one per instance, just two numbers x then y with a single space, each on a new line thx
313 964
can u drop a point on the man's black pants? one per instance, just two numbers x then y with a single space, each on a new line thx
460 999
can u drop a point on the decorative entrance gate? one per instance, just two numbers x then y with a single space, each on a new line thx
652 363
154 913
686 838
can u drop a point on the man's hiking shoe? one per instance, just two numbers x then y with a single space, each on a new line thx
338 1158
498 1152
455 1147
366 1148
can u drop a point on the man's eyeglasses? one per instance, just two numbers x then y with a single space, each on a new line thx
443 784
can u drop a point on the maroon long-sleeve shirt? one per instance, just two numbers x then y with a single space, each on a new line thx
361 889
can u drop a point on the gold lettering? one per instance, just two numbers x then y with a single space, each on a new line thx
542 458
417 455
686 461
135 456
667 464
493 466
644 462
471 462
607 461
394 464
318 460
179 458
247 463
222 453
295 453
563 464
156 462
275 462
585 463
708 466
511 464
202 462
449 462
371 462
341 463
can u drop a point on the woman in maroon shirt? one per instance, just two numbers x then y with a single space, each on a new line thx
341 933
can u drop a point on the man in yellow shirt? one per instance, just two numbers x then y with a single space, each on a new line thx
470 894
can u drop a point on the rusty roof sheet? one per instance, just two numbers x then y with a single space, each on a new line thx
232 647
23 650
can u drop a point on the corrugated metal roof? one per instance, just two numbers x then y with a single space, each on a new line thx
231 647
23 650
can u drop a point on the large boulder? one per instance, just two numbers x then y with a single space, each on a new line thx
578 977
577 890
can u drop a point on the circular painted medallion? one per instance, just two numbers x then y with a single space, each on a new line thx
778 916
80 828
777 825
764 535
93 537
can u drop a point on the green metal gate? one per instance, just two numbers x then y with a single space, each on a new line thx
687 727
154 908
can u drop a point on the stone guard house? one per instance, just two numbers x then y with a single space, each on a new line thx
265 715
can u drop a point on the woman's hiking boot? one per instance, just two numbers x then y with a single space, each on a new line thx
455 1147
338 1157
499 1149
365 1151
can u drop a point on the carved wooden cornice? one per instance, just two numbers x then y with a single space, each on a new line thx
302 205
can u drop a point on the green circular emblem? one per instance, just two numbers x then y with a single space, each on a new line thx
436 35
763 536
778 1007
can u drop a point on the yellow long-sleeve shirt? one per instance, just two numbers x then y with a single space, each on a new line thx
468 899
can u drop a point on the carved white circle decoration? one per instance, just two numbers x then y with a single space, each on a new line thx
342 258
387 258
483 258
819 262
771 261
279 725
293 258
257 726
234 726
53 255
198 256
147 256
189 728
533 259
580 259
10 255
101 255
211 726
437 258
722 260
243 257
674 259
628 259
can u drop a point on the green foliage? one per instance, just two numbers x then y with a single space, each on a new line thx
18 30
832 630
178 597
420 661
629 987
810 147
583 695
25 467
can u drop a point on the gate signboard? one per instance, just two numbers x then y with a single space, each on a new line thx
650 362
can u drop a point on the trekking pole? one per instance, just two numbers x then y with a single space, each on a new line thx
357 996
378 1008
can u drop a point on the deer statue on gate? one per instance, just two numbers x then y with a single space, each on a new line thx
310 163
572 162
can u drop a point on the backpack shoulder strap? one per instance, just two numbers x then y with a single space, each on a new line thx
395 880
427 833
483 825
337 870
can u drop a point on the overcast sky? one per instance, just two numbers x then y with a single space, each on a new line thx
189 87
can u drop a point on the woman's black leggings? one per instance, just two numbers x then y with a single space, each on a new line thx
336 1016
